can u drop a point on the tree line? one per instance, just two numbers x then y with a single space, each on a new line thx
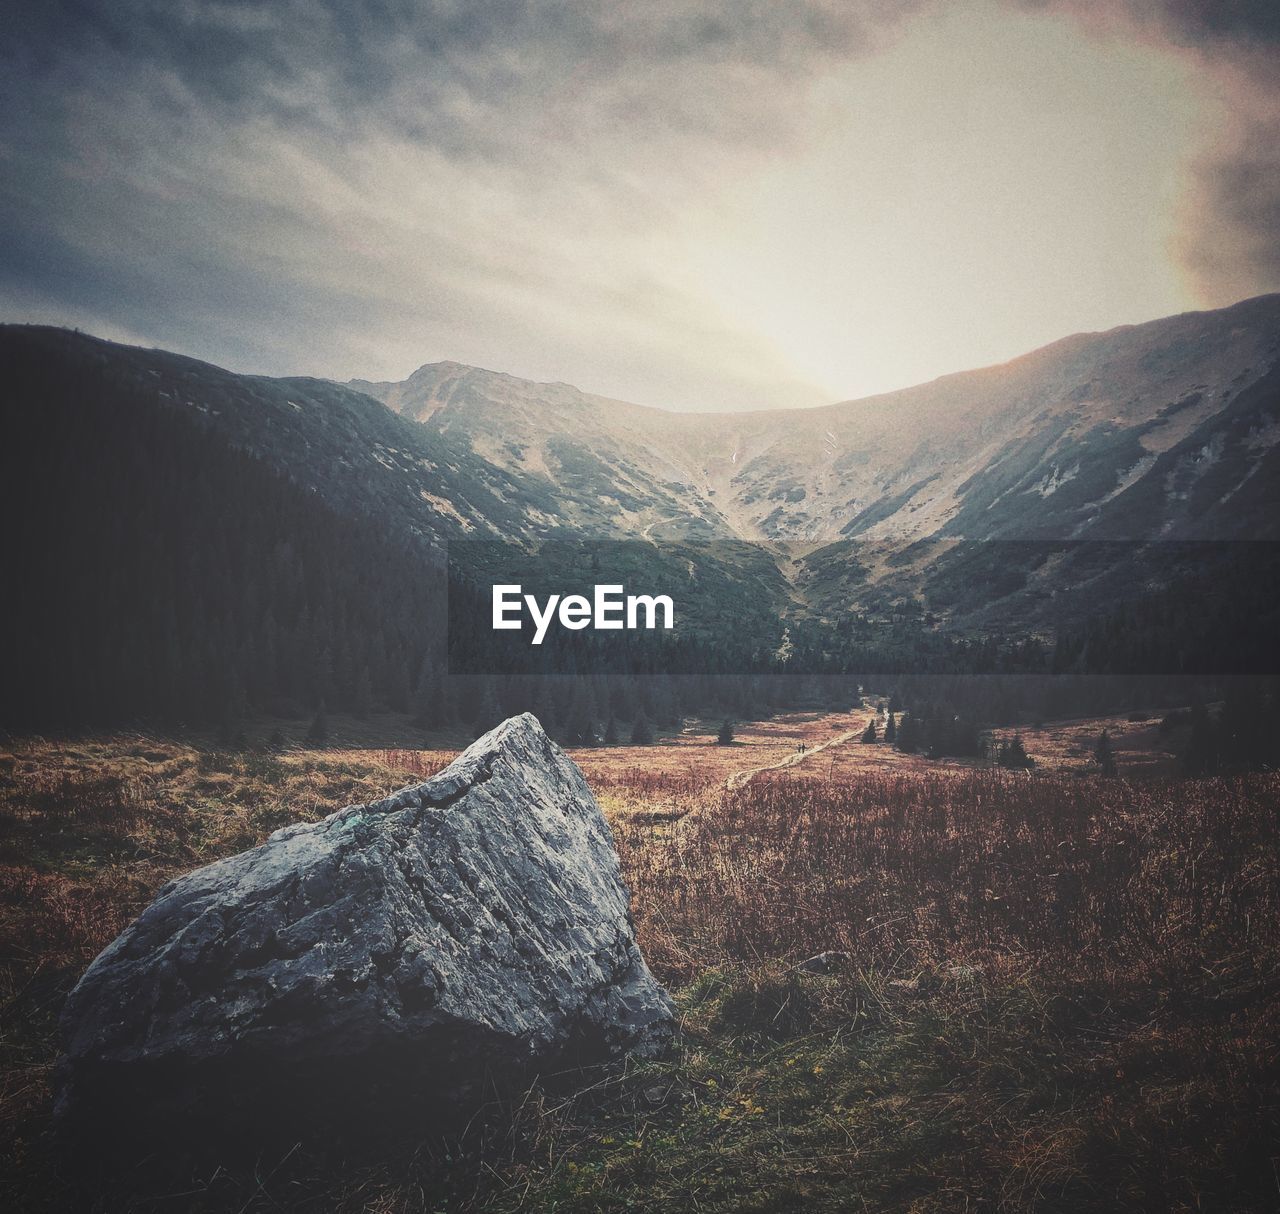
159 575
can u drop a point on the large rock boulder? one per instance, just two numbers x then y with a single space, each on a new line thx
417 952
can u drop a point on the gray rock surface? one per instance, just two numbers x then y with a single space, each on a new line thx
460 934
824 963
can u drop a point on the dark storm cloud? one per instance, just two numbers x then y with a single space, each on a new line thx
1229 236
1237 198
313 60
1236 20
1205 24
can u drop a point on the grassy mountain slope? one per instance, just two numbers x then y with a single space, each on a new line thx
1041 445
1164 431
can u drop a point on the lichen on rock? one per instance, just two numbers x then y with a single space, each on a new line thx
462 933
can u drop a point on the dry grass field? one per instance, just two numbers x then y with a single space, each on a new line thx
1052 991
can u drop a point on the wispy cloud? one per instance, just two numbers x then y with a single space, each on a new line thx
350 188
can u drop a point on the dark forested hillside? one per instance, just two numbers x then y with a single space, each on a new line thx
356 455
187 545
160 573
183 550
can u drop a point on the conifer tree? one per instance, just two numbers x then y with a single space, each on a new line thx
1013 755
364 694
579 718
1104 755
641 731
318 732
1200 757
584 732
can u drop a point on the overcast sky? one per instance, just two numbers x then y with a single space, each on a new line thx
705 205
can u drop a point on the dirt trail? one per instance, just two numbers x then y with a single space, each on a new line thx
739 778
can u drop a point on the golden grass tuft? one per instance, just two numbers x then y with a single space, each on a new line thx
1057 992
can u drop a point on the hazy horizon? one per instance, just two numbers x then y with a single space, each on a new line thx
588 390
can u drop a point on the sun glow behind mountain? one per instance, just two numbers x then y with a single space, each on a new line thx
700 206
991 181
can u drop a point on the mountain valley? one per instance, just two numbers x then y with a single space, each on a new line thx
1015 498
1161 432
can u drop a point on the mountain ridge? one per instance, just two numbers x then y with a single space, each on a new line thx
374 387
1166 431
823 473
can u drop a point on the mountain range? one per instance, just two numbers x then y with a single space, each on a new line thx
1165 431
1011 496
1051 444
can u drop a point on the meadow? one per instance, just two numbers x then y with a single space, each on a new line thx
1043 991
